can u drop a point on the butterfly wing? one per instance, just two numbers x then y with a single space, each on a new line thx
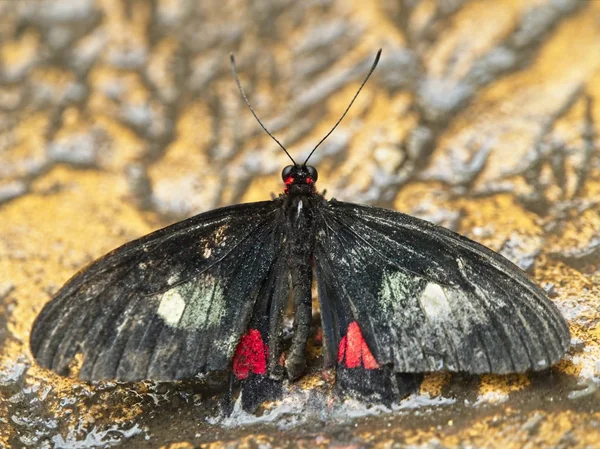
427 299
167 306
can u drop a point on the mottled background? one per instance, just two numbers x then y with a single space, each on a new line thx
117 118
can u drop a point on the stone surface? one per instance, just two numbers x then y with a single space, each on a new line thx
117 118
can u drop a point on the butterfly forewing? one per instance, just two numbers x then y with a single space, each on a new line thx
427 299
167 306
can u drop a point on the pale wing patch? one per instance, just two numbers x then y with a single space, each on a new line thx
396 288
408 294
197 303
434 302
397 296
429 321
171 307
206 305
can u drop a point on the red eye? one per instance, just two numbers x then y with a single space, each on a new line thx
309 180
289 180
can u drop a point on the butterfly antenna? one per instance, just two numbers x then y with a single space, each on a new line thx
349 106
239 85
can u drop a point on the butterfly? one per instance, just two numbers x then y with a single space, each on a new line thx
398 295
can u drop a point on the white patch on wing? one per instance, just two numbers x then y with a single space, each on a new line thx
434 302
206 304
197 303
171 307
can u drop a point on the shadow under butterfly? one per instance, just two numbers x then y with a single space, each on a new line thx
398 295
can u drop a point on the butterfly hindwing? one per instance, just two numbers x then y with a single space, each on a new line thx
170 305
427 299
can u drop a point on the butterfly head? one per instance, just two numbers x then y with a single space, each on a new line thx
299 179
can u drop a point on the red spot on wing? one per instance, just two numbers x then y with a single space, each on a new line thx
354 345
353 350
250 355
369 361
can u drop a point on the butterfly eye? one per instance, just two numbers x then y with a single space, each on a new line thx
312 173
287 172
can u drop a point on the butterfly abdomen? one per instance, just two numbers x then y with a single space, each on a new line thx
300 237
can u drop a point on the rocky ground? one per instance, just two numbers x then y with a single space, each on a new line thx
117 118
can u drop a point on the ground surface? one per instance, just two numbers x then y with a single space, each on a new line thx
117 118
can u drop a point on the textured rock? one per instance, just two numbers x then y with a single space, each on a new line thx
117 118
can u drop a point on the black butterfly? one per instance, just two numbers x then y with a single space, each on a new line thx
208 294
